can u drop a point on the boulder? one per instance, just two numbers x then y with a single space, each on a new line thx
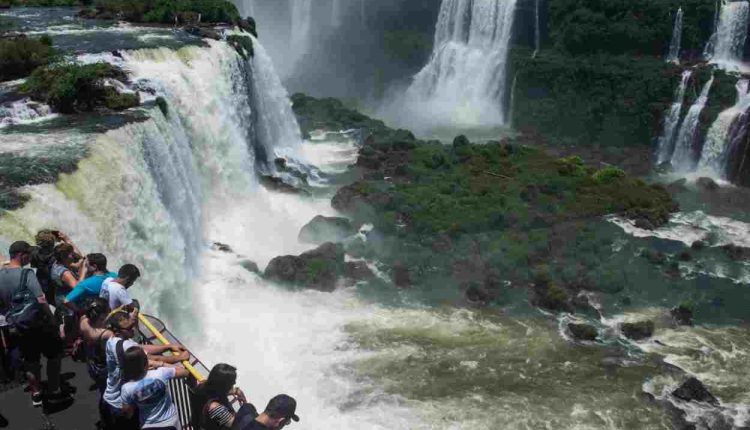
735 252
552 297
682 315
698 245
250 266
357 271
677 186
400 276
318 269
685 256
637 330
707 184
694 390
223 247
585 332
478 295
274 183
323 229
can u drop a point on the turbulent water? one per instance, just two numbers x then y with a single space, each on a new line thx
463 84
158 190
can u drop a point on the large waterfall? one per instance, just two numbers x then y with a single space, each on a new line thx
728 41
301 11
684 149
464 82
672 120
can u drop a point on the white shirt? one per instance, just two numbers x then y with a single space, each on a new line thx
112 394
151 396
115 294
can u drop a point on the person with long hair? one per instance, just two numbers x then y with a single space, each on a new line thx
147 391
211 407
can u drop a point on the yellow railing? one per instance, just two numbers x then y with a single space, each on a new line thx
157 334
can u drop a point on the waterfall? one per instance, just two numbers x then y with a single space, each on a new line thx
337 13
301 27
682 158
245 7
728 41
676 43
277 130
726 131
537 30
464 80
672 119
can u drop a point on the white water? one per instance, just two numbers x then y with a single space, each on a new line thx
682 157
729 126
672 120
301 30
728 42
537 30
463 84
24 111
676 43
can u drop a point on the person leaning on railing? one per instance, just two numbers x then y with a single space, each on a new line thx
211 407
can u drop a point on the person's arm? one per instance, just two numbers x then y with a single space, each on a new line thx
157 349
64 237
174 358
220 415
69 280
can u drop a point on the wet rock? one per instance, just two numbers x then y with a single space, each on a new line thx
223 247
694 390
400 276
274 183
582 304
685 256
677 186
654 257
585 332
644 223
323 229
637 330
682 315
248 25
250 266
357 271
735 252
698 245
318 269
203 32
707 184
357 196
280 163
552 297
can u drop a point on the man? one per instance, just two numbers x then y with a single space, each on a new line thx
123 325
115 290
33 322
279 413
90 287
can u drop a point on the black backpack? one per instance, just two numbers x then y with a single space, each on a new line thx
25 311
43 264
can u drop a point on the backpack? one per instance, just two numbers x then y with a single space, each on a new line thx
43 264
25 311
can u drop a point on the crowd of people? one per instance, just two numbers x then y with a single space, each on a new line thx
70 304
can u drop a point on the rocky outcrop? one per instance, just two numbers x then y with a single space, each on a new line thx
737 253
694 390
682 315
637 330
585 332
318 269
250 266
323 229
357 271
400 276
707 184
274 183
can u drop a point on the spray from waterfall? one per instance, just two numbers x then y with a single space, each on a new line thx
676 43
464 82
301 27
726 45
727 131
683 155
672 120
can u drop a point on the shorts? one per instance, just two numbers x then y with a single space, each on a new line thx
40 341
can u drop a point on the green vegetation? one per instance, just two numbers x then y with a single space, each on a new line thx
242 44
167 11
45 3
72 87
20 55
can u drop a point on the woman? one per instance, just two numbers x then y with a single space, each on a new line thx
211 407
95 335
64 278
148 391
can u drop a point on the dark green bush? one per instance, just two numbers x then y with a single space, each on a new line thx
71 87
166 11
242 44
20 55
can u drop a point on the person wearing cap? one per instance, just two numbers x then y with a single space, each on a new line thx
89 288
123 325
281 411
39 338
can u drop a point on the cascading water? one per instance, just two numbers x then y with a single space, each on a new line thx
464 82
299 40
727 43
246 7
683 156
537 30
676 43
672 120
726 131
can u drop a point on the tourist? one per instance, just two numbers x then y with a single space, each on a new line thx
23 303
115 290
210 404
123 325
147 391
89 288
42 259
279 413
95 334
64 280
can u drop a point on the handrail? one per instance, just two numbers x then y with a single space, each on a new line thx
157 334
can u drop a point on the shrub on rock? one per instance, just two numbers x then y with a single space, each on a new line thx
19 56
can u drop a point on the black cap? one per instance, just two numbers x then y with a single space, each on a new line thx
19 247
282 406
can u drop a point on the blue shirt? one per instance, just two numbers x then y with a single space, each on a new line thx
151 396
88 288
